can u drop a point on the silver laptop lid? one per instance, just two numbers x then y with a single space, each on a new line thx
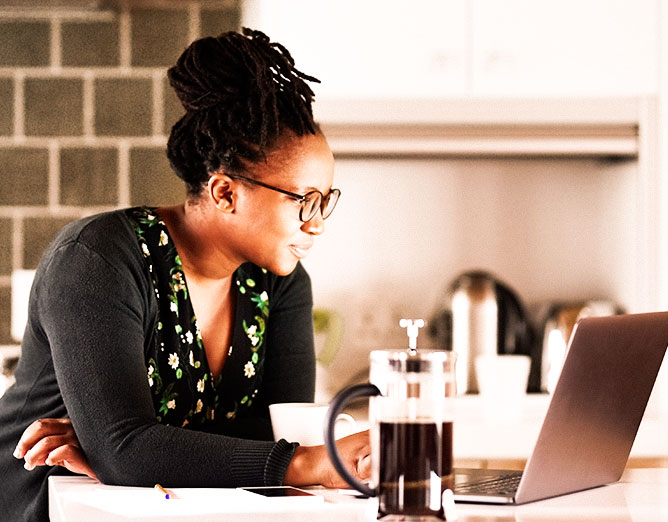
597 405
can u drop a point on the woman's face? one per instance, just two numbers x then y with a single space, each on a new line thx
274 236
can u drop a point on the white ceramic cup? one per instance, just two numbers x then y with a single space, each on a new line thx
304 422
503 376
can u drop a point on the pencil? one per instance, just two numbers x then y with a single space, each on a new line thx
163 490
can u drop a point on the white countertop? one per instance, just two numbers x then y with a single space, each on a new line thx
81 499
640 496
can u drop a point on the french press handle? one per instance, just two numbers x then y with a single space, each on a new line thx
342 399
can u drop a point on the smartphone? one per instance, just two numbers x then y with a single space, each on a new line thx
283 492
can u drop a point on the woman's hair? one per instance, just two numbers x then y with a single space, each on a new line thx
240 92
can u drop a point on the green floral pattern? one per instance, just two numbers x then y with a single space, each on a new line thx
183 389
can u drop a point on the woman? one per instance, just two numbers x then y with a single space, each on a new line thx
164 334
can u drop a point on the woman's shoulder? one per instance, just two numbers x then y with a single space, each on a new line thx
108 235
95 261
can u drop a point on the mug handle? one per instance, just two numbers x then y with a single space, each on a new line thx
344 418
340 401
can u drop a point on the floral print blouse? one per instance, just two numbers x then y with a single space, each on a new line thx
183 389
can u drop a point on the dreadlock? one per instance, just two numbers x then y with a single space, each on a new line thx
240 92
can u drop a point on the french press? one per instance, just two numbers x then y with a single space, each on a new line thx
411 408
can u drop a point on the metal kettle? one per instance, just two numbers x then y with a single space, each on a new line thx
487 318
558 325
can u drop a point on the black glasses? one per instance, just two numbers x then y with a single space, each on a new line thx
310 202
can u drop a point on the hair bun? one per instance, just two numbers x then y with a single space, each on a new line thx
206 75
218 71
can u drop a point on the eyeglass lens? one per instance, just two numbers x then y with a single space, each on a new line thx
315 201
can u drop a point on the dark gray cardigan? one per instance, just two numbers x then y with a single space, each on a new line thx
92 315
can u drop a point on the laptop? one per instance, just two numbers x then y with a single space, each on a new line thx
593 416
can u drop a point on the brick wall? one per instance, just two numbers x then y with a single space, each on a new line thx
85 110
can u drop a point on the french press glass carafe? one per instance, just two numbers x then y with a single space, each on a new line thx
411 420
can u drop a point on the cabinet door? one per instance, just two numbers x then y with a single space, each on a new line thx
372 48
565 47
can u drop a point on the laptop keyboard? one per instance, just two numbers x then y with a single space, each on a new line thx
501 485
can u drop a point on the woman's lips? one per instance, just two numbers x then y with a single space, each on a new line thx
300 251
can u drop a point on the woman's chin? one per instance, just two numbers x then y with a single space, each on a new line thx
283 269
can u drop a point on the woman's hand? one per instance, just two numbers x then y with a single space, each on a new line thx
52 442
310 465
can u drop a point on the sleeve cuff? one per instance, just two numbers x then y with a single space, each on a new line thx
278 461
257 463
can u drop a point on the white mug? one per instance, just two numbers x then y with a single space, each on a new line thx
304 422
504 377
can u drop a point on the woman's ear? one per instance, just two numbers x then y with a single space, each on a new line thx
221 191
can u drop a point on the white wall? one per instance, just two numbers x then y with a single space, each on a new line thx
554 229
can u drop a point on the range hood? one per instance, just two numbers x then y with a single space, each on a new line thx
606 127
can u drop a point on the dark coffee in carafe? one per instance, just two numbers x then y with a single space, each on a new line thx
411 411
415 467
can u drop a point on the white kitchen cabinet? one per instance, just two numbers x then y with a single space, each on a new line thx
374 48
570 47
434 48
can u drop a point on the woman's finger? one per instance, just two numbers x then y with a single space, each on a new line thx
72 458
43 428
355 453
36 456
364 467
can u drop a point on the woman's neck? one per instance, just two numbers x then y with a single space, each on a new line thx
194 236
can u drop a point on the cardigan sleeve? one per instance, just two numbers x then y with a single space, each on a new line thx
290 366
91 310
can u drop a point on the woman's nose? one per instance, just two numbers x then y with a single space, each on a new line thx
316 225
